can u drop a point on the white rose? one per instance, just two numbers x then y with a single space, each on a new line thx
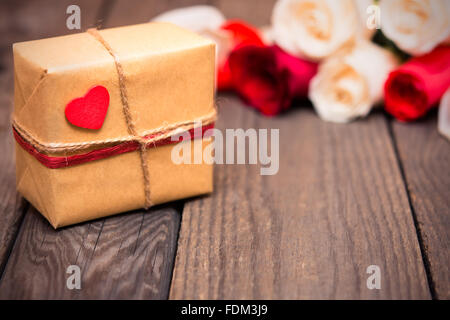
314 28
444 115
267 35
204 20
348 84
416 26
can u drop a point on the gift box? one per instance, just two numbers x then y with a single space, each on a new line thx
97 116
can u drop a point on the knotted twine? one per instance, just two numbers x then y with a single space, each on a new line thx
127 113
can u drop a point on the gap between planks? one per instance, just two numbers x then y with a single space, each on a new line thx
337 205
425 259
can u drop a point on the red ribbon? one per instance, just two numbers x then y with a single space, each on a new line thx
102 153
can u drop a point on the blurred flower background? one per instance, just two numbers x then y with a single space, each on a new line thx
346 56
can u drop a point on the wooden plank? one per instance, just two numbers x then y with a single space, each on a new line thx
256 12
29 20
12 206
129 256
425 158
337 205
23 20
127 12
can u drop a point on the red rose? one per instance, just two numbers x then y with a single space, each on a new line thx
268 78
242 34
417 86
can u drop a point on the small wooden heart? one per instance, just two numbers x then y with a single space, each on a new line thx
89 112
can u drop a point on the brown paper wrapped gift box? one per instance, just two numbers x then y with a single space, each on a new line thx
169 78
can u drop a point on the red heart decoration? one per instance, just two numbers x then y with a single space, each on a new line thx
89 111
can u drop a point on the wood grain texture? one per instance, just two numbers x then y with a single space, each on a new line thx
337 205
21 21
12 206
127 12
256 12
24 20
425 158
129 256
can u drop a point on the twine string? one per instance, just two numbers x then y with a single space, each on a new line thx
149 136
127 113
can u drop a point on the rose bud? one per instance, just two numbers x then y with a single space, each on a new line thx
417 86
349 83
268 78
242 34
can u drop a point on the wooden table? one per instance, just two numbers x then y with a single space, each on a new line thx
373 192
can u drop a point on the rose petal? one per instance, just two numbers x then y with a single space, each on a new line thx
195 18
415 87
444 115
416 27
314 29
268 78
206 21
242 34
347 85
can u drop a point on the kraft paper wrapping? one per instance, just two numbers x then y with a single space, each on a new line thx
169 76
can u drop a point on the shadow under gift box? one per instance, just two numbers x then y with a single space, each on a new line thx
169 78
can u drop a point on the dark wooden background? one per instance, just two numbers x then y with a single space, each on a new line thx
373 192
